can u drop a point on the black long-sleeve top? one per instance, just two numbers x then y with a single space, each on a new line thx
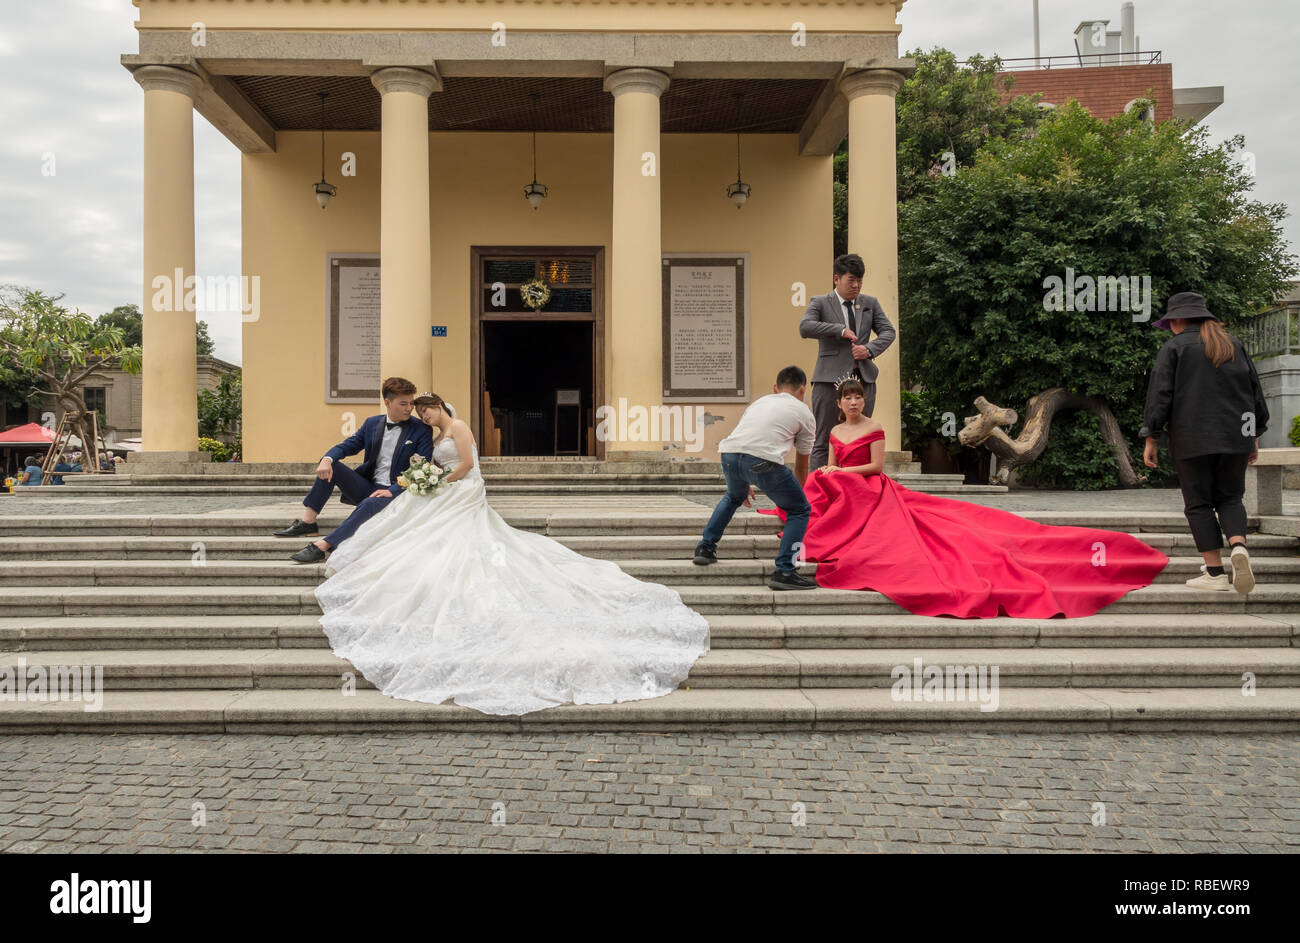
1208 409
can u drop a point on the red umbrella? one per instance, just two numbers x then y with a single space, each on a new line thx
31 434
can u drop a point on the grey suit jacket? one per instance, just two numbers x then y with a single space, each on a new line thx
824 320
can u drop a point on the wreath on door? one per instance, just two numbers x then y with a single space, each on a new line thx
535 293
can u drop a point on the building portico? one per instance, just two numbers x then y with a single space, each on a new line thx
636 118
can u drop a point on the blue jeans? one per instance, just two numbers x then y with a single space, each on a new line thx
777 482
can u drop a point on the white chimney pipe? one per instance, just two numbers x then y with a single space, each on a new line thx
1126 35
1037 64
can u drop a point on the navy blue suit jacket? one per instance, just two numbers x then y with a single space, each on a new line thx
418 438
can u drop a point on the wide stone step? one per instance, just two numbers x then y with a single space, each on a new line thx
554 523
198 570
905 472
279 599
223 669
1048 710
99 632
298 484
519 464
303 482
655 463
740 546
574 486
266 523
577 486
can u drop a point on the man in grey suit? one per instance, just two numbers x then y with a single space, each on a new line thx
842 320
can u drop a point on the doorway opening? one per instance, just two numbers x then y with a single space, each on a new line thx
538 378
537 372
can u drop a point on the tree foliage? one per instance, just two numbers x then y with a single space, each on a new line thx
946 108
942 108
59 350
220 409
1117 198
128 318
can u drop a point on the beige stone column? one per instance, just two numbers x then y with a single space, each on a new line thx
169 417
405 273
873 218
634 321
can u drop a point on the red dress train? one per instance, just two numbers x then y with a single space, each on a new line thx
937 556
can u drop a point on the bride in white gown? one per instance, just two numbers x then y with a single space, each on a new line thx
438 597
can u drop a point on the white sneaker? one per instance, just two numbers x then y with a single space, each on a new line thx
1243 578
1206 581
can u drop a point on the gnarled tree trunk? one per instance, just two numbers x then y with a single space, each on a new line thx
985 429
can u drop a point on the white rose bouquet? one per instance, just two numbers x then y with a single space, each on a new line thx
423 477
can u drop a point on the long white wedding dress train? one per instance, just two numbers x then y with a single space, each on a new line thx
438 597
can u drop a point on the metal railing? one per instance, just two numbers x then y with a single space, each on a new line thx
1273 332
1077 61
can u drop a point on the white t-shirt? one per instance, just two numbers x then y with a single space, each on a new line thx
770 425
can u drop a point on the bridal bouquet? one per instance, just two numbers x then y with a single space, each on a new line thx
423 477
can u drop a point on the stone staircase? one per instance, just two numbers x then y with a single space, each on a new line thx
200 623
509 475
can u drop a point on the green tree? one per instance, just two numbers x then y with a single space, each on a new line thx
220 409
127 317
947 111
943 107
1114 198
840 198
203 345
17 386
60 349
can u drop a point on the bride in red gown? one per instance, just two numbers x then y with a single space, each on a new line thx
938 556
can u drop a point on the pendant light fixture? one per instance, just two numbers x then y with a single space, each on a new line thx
323 190
535 192
738 192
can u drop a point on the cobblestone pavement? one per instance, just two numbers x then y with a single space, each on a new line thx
679 793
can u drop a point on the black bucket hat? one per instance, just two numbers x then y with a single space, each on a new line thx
1186 304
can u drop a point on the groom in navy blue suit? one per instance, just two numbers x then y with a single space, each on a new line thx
389 442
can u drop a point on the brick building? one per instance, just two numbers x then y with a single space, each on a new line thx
1108 72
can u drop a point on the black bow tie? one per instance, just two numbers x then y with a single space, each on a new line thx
389 425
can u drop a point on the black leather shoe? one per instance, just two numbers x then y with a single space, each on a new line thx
789 579
298 529
704 556
309 554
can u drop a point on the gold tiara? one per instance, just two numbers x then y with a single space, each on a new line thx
846 378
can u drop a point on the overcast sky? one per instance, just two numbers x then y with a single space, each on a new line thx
63 93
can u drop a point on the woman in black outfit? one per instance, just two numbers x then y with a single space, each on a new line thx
1204 385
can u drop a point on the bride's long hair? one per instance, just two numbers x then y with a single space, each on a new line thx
433 399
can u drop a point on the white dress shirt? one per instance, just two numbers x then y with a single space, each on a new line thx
845 314
384 463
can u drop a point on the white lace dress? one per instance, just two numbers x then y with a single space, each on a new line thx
438 597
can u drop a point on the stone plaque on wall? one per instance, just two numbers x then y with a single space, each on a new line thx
705 327
351 327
